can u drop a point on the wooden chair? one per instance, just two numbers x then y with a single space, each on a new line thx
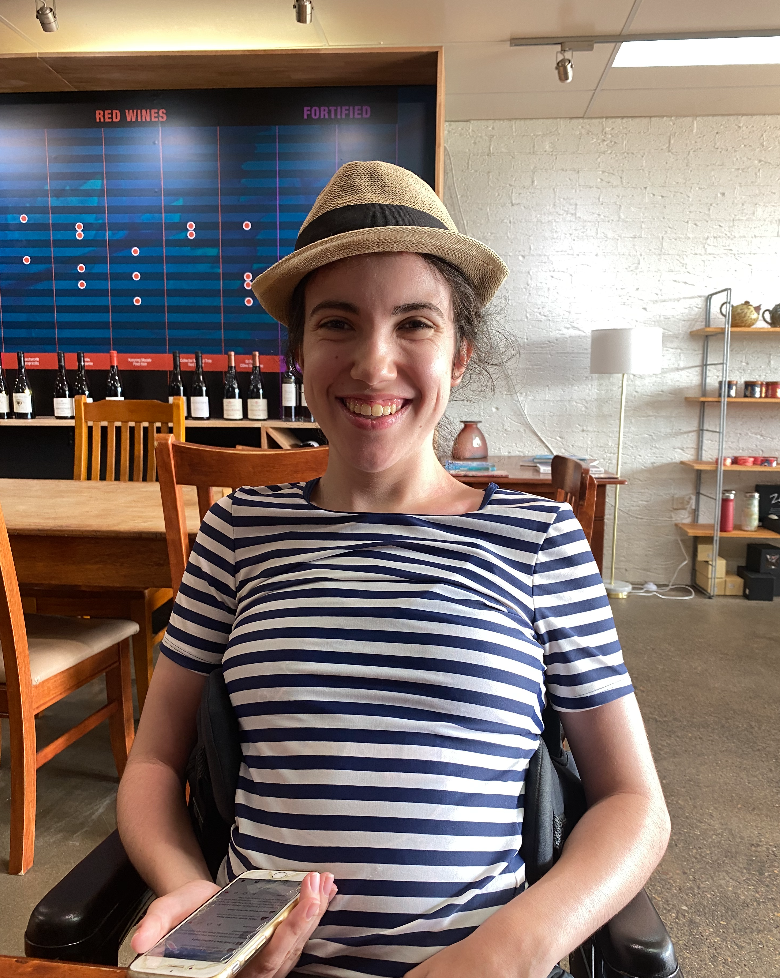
573 484
142 418
44 658
127 415
180 464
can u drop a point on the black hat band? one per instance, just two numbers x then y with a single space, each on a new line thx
357 217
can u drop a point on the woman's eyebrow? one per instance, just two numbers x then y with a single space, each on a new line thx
334 304
414 306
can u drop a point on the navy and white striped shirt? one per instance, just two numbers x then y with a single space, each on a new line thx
389 673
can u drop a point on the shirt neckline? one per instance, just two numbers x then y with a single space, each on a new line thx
309 488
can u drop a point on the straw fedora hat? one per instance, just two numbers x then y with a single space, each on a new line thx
374 207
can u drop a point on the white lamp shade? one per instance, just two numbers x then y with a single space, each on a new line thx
633 350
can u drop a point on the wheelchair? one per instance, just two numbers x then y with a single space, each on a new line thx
87 915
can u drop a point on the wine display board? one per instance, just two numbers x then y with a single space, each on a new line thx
136 221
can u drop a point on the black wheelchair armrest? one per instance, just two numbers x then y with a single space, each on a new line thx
635 943
86 916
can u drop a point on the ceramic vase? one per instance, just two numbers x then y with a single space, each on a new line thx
470 442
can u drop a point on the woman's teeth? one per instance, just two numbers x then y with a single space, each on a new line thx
371 410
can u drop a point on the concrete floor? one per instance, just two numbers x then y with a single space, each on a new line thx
707 675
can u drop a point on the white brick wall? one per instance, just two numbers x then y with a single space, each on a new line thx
624 222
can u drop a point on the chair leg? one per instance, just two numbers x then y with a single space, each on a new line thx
143 647
119 690
23 793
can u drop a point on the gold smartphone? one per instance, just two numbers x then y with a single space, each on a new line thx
218 939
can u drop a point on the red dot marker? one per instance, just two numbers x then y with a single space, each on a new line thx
79 227
81 268
247 276
247 285
137 301
135 251
26 259
190 225
247 225
23 218
247 302
82 284
190 234
136 276
79 235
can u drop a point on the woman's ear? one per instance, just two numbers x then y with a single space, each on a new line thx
460 362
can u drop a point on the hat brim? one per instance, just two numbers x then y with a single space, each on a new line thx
480 264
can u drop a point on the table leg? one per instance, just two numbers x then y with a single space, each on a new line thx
597 539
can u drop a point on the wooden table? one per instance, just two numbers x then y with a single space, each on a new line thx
37 968
527 478
89 534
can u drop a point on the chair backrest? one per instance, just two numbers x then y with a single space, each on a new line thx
181 464
16 692
138 415
573 484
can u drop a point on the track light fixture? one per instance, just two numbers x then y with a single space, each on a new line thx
47 16
564 66
303 11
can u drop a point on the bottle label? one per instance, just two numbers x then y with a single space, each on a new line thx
63 407
3 403
170 401
115 399
23 403
289 395
232 409
303 398
257 409
199 407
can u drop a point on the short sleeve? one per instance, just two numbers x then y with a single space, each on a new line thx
205 606
583 660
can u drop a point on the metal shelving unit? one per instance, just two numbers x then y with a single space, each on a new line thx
702 464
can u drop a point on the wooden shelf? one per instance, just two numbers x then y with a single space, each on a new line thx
765 401
705 530
753 330
712 466
46 422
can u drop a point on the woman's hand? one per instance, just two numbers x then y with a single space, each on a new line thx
169 910
278 957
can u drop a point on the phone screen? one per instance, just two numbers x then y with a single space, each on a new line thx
218 930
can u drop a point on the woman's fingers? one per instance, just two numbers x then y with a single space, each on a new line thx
169 910
281 953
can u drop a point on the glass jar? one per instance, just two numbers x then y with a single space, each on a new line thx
750 512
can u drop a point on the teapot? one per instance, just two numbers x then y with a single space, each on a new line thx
743 315
774 315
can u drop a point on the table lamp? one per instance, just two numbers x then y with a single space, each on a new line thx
631 350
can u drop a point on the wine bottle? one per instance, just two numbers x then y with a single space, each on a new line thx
176 384
5 409
304 414
199 396
22 396
63 402
257 405
81 384
232 405
114 381
289 395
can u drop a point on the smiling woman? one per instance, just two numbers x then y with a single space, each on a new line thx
388 638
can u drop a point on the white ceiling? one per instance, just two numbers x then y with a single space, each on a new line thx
485 78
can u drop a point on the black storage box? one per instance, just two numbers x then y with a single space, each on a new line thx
768 496
758 587
762 558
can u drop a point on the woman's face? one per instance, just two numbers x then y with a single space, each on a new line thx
378 351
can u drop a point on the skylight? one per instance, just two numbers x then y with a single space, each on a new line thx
699 51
